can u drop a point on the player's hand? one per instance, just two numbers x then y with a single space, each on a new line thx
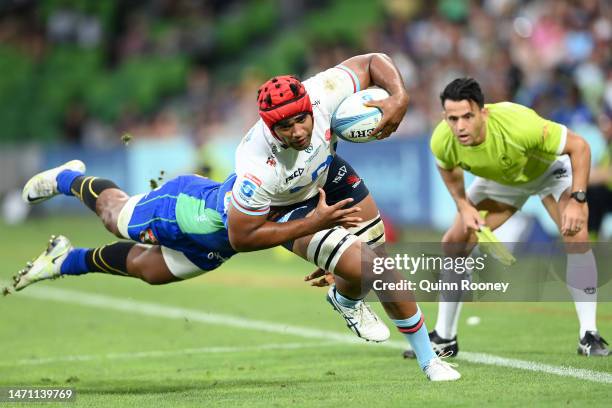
393 110
471 218
574 218
326 216
321 278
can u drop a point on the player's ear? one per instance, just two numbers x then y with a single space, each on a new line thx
485 112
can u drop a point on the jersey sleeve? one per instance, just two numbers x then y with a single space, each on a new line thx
333 85
439 147
538 134
250 195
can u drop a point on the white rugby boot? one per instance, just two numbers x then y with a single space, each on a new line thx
438 370
361 320
46 266
43 186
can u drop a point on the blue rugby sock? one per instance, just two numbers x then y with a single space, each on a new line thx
416 332
64 181
75 263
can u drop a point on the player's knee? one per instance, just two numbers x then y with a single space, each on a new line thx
327 247
454 242
371 232
108 207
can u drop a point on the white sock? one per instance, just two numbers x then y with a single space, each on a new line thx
448 319
449 304
581 279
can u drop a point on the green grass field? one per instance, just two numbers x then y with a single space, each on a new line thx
252 333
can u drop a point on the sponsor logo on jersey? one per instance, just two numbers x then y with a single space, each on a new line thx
315 174
328 135
353 180
341 173
271 161
295 174
274 149
505 160
317 102
313 155
309 149
247 188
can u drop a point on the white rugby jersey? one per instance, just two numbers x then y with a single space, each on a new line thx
267 174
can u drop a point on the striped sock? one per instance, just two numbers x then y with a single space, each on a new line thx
111 258
416 332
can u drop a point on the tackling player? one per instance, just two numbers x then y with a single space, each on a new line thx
515 154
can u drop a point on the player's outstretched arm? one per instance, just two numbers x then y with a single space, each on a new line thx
453 179
378 69
252 233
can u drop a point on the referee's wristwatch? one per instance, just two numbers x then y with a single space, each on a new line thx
579 196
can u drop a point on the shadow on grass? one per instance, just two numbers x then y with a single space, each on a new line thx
145 388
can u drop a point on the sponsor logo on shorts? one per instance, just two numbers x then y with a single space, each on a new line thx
353 180
560 173
147 237
217 256
341 173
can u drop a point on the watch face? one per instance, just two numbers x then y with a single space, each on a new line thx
580 196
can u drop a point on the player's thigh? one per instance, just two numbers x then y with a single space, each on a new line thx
147 263
497 214
109 204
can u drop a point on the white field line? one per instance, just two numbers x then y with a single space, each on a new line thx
166 353
172 312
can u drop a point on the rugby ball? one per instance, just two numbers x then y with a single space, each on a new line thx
353 121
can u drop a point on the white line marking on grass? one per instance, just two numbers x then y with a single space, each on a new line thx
580 373
166 353
172 312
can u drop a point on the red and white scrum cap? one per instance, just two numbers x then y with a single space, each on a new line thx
282 97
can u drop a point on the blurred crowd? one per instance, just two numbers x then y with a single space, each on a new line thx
555 56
